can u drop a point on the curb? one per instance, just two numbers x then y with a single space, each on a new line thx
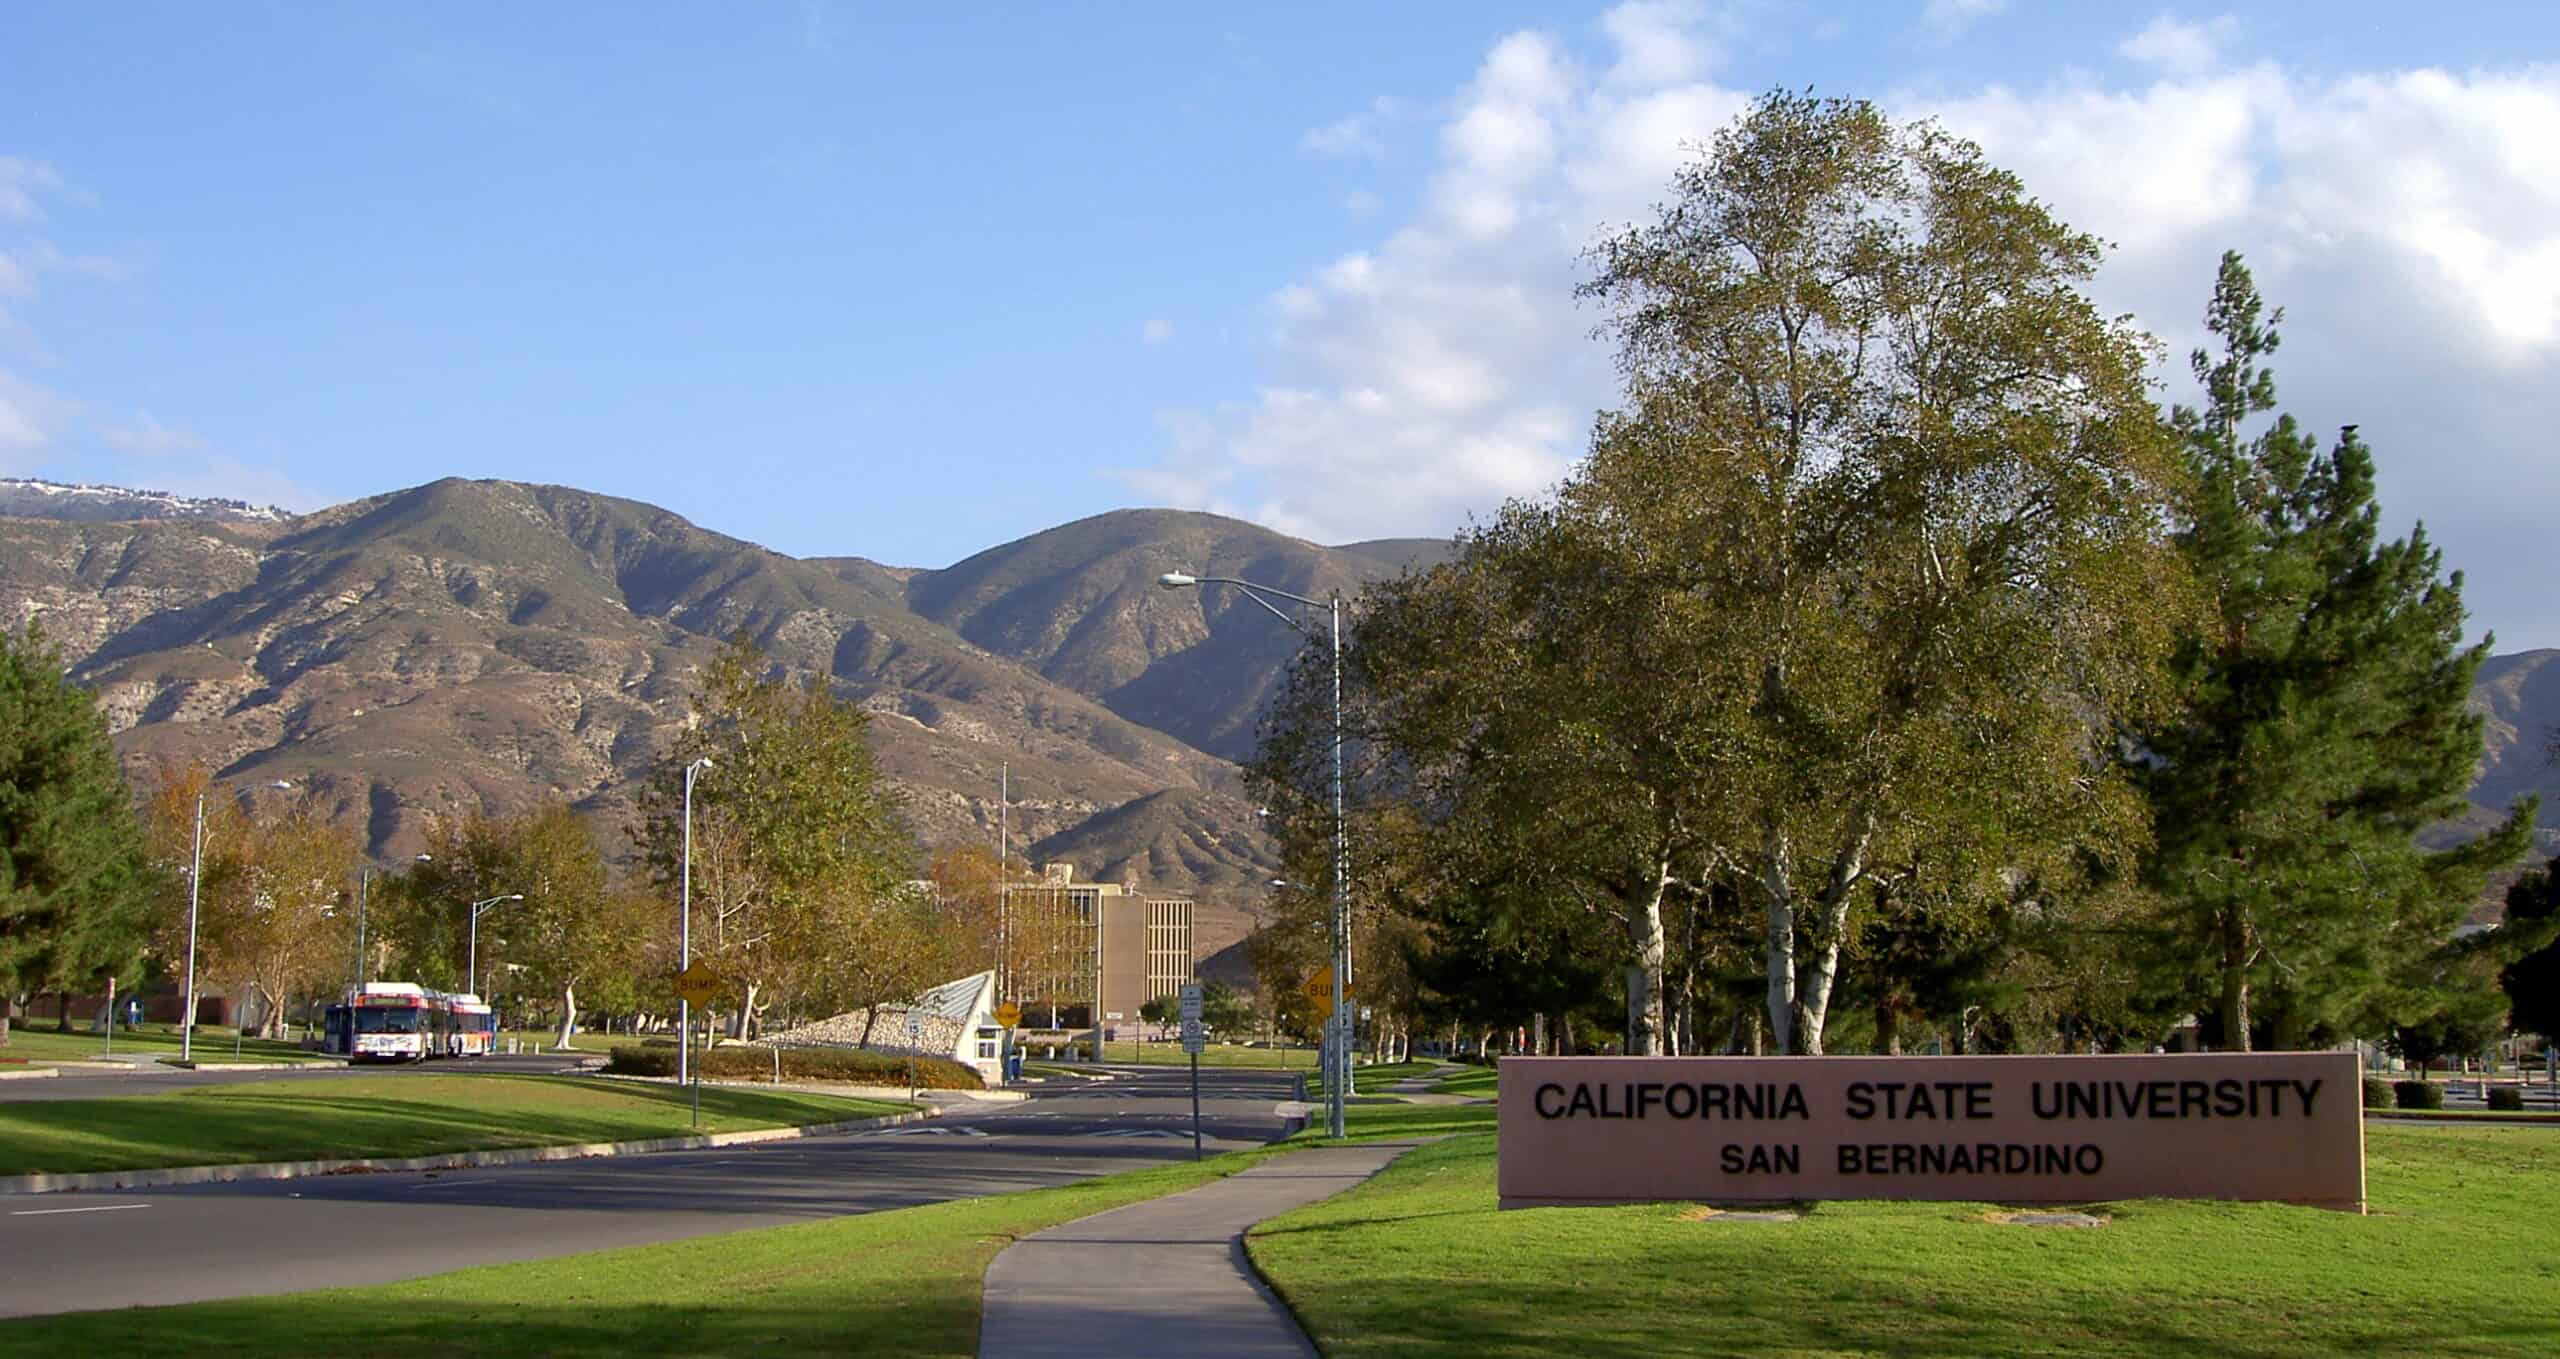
248 1066
166 1176
2527 1118
33 1073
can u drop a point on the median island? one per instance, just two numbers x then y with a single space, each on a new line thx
384 1116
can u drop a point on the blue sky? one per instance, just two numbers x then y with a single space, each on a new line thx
906 283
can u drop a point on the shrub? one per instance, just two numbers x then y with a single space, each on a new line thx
2377 1093
2418 1094
854 1065
2507 1099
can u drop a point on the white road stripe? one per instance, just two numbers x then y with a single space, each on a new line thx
48 1212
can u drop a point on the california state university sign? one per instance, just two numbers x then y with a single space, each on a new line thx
2283 1126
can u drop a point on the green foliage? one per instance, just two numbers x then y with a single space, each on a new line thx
2532 925
731 1061
2506 1099
799 853
2322 726
77 886
2377 1093
1880 524
2417 1094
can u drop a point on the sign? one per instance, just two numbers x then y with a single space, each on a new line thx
1009 1015
1190 1003
698 984
1589 1130
915 1025
1194 1037
1319 989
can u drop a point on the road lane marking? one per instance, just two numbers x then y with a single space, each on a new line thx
49 1212
450 1184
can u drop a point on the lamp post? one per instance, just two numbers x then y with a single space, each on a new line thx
195 885
684 929
471 971
1338 1048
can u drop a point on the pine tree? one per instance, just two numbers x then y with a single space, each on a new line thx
2324 724
2532 980
76 885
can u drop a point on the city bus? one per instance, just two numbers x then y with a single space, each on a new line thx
406 1022
474 1029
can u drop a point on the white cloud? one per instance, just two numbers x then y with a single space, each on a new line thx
1156 331
29 415
2175 44
21 180
1949 18
2409 222
149 438
1361 134
1362 205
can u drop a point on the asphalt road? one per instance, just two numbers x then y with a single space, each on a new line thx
160 1080
82 1251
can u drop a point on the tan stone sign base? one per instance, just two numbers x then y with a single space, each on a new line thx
2283 1126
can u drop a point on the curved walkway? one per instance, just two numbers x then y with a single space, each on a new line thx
1167 1276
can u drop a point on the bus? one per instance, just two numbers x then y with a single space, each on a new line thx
406 1022
474 1030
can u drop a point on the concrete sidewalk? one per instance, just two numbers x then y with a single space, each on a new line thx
1165 1277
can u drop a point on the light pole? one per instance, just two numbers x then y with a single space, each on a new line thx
195 885
471 971
1338 1048
684 930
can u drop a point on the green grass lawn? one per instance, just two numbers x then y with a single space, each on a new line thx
2454 1260
43 1045
1213 1054
300 1118
1475 1080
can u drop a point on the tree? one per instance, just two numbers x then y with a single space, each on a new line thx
76 881
2532 980
799 854
2322 722
273 886
1877 536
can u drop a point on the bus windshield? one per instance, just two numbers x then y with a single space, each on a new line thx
373 1020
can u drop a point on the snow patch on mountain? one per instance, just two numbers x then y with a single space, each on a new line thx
33 498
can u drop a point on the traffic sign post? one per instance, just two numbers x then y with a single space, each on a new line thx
915 1037
699 986
1193 1038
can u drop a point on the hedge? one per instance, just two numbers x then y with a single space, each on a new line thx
857 1066
2418 1094
2507 1099
2377 1093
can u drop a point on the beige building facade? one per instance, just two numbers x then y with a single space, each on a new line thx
1060 934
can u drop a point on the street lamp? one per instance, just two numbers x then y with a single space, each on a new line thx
195 883
1338 1048
471 971
684 929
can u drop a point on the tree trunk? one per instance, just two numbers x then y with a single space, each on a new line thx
1813 991
746 1013
1538 1034
568 1013
2235 985
1644 969
1888 1028
1775 872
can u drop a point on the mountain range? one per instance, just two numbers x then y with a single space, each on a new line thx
490 643
487 644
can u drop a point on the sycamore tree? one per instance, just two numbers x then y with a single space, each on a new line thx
1875 542
274 910
571 933
799 854
77 886
2322 723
